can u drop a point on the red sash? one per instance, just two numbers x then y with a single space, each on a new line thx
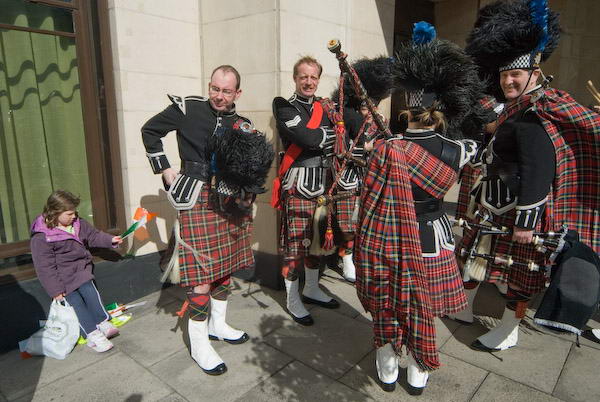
291 154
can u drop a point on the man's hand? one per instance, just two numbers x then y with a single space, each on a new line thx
59 297
169 175
523 236
117 240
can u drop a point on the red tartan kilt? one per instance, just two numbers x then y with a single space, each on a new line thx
223 243
517 277
344 210
296 225
388 327
445 284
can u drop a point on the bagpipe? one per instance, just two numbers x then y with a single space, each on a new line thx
478 255
573 294
335 47
343 154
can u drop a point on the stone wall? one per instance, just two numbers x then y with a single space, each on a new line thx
156 51
159 48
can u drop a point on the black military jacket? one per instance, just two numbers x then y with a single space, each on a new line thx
195 121
519 167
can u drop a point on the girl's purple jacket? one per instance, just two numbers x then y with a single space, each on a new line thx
62 260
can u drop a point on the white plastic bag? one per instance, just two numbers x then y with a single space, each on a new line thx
59 336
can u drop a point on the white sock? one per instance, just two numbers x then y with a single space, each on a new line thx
348 268
505 334
414 375
311 286
202 352
386 362
293 302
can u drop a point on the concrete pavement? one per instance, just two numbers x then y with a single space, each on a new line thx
330 361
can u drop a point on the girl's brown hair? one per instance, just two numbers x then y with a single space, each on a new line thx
59 202
427 117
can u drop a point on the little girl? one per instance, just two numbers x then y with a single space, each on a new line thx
59 246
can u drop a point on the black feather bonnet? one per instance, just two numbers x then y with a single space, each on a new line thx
375 75
242 158
507 30
438 73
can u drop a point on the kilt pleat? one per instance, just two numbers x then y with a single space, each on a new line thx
222 243
344 212
446 289
297 225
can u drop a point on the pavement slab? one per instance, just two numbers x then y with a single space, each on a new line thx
497 388
154 301
151 337
116 378
298 382
342 291
332 345
444 328
20 377
248 364
579 379
536 361
454 381
594 322
173 398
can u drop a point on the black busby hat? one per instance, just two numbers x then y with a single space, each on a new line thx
512 34
438 74
242 158
375 75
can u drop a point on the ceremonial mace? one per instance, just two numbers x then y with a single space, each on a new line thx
335 47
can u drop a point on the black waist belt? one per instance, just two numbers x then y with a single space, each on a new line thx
197 170
508 172
312 161
428 206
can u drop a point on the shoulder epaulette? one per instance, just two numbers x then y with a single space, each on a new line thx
180 102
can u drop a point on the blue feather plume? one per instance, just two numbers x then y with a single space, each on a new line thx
539 15
423 32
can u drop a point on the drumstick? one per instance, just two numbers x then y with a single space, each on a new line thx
593 91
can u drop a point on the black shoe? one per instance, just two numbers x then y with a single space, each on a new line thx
387 386
307 320
329 304
414 391
237 341
477 345
589 335
220 369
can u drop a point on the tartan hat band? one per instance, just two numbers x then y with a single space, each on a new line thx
420 99
525 61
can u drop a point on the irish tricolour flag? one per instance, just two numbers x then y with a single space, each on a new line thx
140 218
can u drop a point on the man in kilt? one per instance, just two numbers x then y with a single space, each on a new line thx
442 90
214 222
540 169
305 125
